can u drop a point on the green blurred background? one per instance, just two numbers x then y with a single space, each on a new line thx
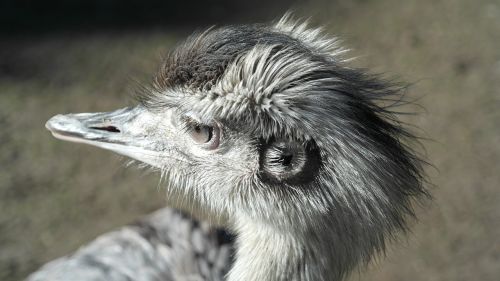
77 56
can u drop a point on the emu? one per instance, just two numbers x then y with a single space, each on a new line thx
289 164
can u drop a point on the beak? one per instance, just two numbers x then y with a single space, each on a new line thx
124 131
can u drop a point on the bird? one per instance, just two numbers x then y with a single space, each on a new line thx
280 161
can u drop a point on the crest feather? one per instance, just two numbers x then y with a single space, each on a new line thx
314 38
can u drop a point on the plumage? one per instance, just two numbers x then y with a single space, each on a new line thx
265 131
164 246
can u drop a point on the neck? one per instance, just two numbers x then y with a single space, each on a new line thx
266 254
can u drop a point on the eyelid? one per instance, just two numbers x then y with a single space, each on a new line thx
188 121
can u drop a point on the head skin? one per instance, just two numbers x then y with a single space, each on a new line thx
309 170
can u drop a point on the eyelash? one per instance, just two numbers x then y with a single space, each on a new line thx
188 123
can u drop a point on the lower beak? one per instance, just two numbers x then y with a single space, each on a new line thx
120 131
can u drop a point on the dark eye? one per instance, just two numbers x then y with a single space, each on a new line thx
284 160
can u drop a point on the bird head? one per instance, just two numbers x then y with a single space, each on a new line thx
268 124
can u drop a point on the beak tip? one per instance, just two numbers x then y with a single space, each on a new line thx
48 124
51 123
63 123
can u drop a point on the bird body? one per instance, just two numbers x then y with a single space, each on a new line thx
164 246
266 131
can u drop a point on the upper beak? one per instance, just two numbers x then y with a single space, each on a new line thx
123 131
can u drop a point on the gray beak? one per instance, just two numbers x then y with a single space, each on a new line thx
124 131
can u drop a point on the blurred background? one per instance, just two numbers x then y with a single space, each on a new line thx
75 56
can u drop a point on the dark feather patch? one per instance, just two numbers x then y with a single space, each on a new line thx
202 59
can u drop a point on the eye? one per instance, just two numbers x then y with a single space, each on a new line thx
207 136
201 133
284 160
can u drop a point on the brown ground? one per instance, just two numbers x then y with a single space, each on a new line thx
55 196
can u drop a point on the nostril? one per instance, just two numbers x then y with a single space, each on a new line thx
111 129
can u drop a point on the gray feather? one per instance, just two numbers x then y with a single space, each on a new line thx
164 246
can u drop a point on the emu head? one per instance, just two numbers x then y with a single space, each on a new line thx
266 125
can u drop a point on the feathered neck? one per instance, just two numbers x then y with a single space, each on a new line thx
267 254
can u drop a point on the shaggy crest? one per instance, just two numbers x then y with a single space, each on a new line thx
314 38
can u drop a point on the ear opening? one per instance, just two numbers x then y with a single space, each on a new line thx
289 161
